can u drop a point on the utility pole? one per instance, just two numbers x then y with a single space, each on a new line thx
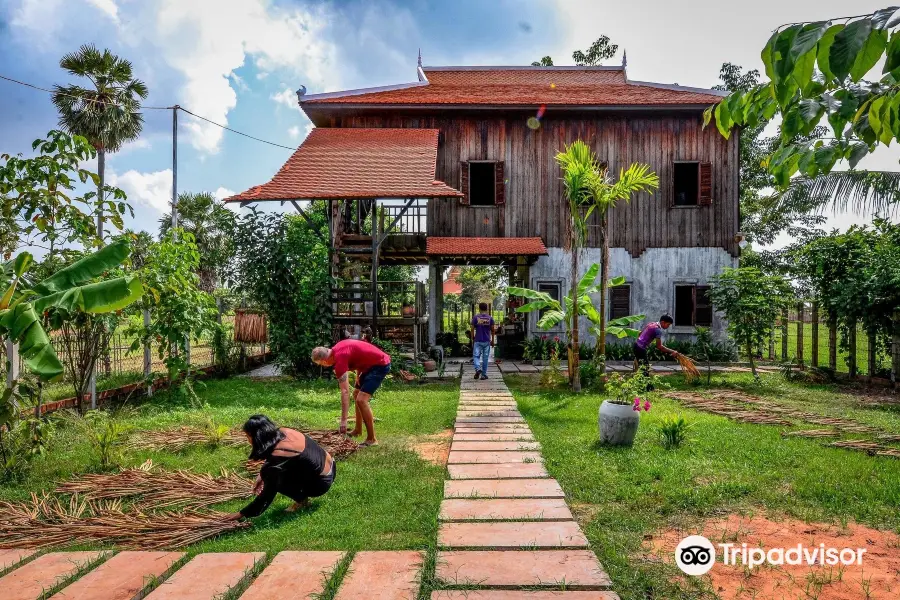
175 166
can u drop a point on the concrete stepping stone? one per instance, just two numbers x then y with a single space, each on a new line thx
481 446
521 425
493 437
488 413
122 577
207 576
489 430
382 576
32 580
8 558
502 488
491 407
466 457
502 568
498 471
507 535
527 368
522 595
493 420
300 575
534 509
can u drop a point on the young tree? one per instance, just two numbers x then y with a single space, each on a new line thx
751 302
39 196
599 51
212 226
108 114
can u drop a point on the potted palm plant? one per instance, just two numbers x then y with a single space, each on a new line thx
620 415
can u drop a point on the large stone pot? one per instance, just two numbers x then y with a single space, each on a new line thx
618 424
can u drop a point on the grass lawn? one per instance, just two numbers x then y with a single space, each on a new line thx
384 498
621 495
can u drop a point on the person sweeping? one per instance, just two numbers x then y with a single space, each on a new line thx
650 333
371 366
295 465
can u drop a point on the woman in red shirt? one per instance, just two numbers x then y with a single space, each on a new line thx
371 366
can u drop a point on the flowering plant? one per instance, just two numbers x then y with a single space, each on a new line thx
630 390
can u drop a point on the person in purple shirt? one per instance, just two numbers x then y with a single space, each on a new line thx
482 340
650 332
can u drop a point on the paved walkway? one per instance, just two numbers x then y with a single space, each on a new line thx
504 525
660 368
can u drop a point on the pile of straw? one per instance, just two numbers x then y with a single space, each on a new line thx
47 521
250 327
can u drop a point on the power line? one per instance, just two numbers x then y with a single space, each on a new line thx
181 108
83 99
176 107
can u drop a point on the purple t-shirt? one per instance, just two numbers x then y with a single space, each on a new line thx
483 325
651 332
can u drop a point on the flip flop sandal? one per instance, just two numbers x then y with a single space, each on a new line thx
367 444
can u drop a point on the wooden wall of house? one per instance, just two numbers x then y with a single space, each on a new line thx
534 195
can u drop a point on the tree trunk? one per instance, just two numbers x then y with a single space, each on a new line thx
574 362
101 172
604 278
752 360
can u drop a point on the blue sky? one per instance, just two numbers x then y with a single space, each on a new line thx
239 62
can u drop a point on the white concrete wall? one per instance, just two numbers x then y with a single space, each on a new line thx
653 277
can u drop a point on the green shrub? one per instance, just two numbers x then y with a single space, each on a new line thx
673 432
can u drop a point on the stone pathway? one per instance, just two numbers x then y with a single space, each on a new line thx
662 368
504 522
504 525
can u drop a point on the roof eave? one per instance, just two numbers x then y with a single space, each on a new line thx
527 107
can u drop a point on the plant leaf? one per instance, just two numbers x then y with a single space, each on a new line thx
823 50
870 54
87 268
588 279
846 47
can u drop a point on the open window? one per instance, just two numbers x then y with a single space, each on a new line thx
619 302
692 306
692 184
482 183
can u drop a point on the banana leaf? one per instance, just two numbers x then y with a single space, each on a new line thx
88 268
22 325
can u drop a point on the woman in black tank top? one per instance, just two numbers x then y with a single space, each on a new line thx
295 465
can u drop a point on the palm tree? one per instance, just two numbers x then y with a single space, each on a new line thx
108 115
860 191
212 226
637 178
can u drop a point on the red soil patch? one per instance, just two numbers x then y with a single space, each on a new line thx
433 448
878 575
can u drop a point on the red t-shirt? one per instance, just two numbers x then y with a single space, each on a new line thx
357 355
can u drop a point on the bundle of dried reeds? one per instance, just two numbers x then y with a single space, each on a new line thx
176 440
46 521
250 327
687 367
159 490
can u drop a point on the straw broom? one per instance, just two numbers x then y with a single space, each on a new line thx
687 366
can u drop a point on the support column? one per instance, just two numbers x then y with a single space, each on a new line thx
832 344
784 335
895 350
801 315
148 355
435 302
851 341
12 355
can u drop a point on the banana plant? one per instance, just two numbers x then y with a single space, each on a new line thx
557 311
60 297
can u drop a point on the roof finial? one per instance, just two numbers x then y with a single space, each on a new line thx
420 58
624 58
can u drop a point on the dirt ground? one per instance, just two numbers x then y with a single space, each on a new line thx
878 577
433 448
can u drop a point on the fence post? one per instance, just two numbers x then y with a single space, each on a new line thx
93 388
772 344
832 344
784 334
801 307
148 356
12 355
814 351
895 350
851 341
873 354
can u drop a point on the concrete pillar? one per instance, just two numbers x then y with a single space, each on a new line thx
895 350
434 316
801 315
814 350
12 355
148 355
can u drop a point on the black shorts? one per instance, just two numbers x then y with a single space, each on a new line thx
640 354
371 380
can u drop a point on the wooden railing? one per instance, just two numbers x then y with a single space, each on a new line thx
412 221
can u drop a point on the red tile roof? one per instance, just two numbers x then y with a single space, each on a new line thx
357 163
481 246
523 86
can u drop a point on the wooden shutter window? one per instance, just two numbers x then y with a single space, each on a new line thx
499 184
464 182
703 310
619 301
705 184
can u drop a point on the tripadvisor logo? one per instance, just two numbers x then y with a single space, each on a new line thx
696 555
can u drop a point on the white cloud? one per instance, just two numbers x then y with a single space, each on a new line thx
206 41
294 132
222 193
287 98
150 189
107 6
